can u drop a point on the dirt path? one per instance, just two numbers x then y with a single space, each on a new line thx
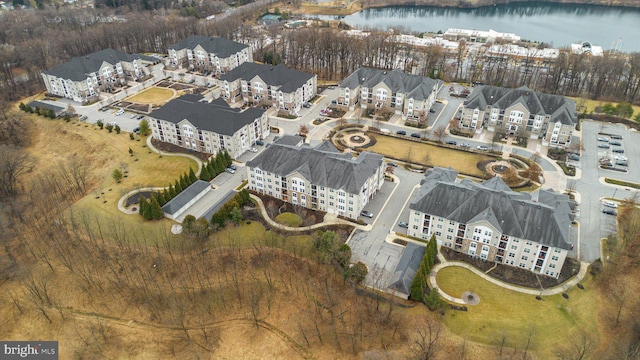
132 323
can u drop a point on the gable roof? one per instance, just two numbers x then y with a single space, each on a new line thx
407 268
184 197
545 219
414 86
79 68
213 45
560 108
216 116
318 166
288 80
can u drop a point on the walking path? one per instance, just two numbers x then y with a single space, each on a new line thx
538 292
124 198
329 219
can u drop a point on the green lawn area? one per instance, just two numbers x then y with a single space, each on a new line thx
252 233
152 95
504 312
591 105
462 161
289 219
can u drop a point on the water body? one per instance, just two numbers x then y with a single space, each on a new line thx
557 24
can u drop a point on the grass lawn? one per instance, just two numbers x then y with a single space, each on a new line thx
252 233
56 140
152 95
462 161
289 219
592 104
502 312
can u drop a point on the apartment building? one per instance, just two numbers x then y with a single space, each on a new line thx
550 117
479 36
490 221
278 86
319 178
194 124
412 96
83 78
204 53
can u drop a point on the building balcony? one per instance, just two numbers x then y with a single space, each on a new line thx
502 245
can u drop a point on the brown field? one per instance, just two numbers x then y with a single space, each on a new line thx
427 154
153 95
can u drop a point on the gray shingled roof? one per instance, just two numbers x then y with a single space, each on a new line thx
546 220
293 140
560 108
216 116
320 167
184 197
39 104
415 86
287 79
222 47
79 68
407 268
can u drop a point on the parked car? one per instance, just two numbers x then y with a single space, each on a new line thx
401 132
609 212
230 170
616 143
465 145
133 116
415 135
260 142
483 147
392 164
603 139
253 150
403 224
617 137
119 112
451 142
610 204
113 123
140 117
432 110
83 118
334 102
233 167
307 104
618 150
368 214
604 145
622 162
574 157
621 157
136 130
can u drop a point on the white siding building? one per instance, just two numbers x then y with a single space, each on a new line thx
317 178
208 127
217 55
491 222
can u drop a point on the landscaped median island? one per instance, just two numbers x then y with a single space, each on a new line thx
622 183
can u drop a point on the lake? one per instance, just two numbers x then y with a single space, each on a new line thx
557 24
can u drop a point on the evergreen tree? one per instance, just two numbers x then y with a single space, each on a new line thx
178 187
192 176
204 174
183 182
161 200
236 215
245 197
155 209
211 169
227 158
417 286
142 209
433 300
219 165
172 193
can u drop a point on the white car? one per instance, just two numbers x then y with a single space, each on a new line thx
621 158
119 112
610 204
113 123
253 150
